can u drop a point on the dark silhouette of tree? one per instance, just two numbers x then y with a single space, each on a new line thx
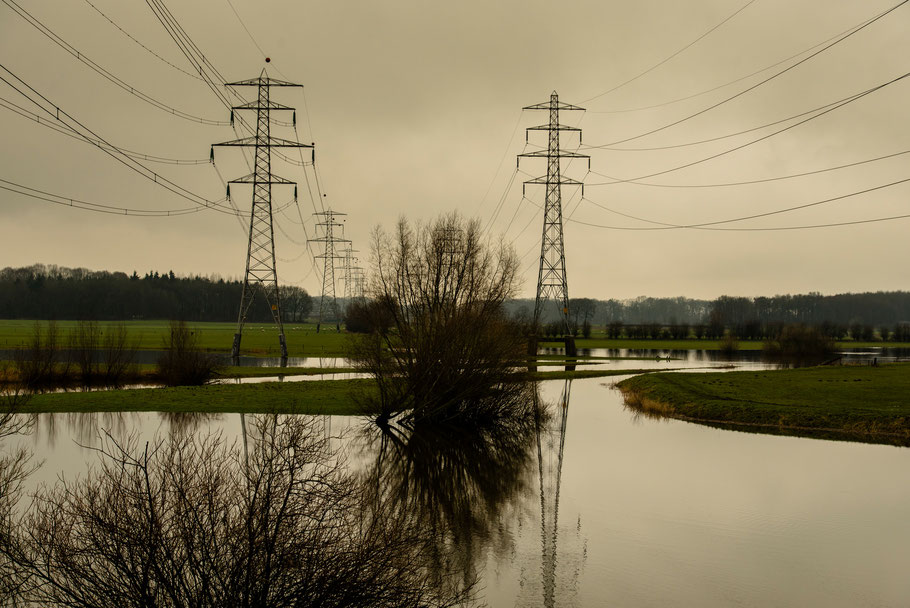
191 521
52 292
449 345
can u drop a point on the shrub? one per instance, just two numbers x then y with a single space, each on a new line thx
180 363
800 341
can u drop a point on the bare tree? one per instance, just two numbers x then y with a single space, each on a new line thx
441 344
15 466
191 521
181 362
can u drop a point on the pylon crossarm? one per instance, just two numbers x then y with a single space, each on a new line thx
251 179
271 142
262 81
547 105
548 154
255 105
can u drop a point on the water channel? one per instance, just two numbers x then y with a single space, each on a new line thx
605 508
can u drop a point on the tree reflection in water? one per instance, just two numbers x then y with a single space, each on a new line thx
463 484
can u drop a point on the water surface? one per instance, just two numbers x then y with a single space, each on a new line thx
596 506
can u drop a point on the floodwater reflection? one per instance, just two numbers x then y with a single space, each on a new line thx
464 485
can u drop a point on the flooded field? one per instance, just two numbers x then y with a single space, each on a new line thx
595 506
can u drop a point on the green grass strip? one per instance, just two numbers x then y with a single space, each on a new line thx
335 397
862 401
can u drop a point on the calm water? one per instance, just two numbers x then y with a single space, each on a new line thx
599 507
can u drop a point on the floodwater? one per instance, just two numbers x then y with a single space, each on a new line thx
596 506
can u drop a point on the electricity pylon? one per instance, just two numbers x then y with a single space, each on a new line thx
329 256
261 274
551 278
349 269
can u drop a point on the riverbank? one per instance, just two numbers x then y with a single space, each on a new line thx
334 397
692 344
869 403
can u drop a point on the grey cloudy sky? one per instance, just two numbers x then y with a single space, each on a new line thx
415 108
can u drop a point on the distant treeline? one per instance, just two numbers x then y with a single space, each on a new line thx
54 292
841 315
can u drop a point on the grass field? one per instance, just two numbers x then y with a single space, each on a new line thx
303 341
865 402
258 338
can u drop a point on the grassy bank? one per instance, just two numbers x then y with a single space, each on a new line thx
866 403
334 397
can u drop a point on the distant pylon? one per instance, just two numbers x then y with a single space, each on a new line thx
349 268
261 274
328 273
551 278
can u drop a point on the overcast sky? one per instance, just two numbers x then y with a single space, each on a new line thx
415 108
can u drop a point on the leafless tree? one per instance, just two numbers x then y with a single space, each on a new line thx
181 362
190 521
441 344
15 466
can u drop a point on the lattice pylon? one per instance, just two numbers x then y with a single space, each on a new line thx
261 274
551 278
330 254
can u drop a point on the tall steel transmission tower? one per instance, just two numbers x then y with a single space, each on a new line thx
329 256
261 274
551 278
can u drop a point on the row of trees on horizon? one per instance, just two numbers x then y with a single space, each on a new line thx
55 292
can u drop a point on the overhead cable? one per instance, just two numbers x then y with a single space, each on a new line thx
53 110
671 226
764 137
747 182
105 73
660 63
762 82
130 36
51 124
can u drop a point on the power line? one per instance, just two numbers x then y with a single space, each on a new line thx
660 63
760 83
90 206
670 226
720 137
128 35
245 28
17 109
103 72
726 84
51 109
747 182
764 137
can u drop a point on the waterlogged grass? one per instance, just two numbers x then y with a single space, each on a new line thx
258 338
866 403
692 344
335 397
